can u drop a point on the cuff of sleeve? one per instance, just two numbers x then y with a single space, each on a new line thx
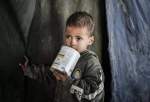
77 91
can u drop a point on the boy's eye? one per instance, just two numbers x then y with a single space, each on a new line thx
67 36
78 38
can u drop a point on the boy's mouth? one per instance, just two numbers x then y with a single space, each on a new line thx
74 48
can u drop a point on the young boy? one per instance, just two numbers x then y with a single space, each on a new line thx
86 83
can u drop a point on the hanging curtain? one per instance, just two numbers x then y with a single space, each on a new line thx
129 49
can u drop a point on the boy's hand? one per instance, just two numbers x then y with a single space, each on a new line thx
24 64
60 76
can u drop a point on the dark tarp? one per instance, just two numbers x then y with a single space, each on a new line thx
129 49
11 51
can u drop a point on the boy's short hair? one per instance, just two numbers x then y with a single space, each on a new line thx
81 19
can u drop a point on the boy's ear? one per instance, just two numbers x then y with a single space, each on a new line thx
91 40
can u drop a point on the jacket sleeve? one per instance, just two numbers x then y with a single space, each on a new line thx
92 80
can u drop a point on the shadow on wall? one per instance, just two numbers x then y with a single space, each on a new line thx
105 54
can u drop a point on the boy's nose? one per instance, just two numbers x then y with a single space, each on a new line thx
73 42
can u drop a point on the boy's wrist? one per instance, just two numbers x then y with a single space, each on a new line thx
60 76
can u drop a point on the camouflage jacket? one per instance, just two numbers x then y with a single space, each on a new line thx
86 83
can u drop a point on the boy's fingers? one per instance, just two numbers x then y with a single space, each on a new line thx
26 60
56 75
20 64
60 76
63 77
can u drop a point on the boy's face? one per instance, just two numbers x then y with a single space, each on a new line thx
78 38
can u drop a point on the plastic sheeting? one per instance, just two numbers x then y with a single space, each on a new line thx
129 49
